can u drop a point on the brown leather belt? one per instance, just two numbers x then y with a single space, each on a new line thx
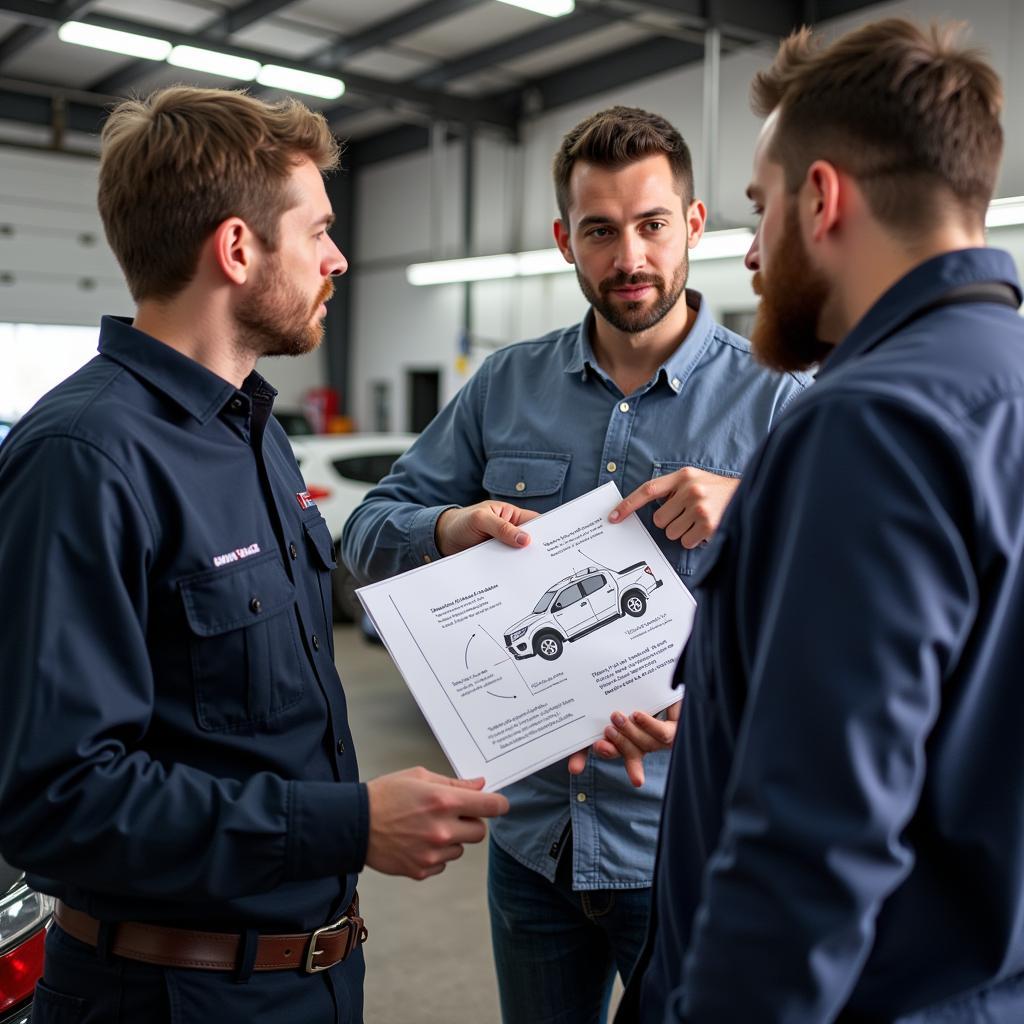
218 951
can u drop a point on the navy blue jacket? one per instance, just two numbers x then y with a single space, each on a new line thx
174 743
843 834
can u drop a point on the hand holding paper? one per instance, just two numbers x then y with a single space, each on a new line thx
460 528
518 656
420 820
632 739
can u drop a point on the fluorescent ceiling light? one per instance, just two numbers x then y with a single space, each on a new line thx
719 245
108 39
476 268
223 64
552 8
1005 212
277 77
713 246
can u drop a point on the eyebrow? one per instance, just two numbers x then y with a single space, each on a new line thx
327 220
658 211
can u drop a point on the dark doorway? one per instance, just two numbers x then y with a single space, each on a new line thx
424 391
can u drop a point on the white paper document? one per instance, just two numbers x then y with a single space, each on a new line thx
518 656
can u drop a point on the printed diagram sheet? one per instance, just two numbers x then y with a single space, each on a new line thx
517 657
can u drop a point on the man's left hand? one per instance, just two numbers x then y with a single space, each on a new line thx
693 502
632 739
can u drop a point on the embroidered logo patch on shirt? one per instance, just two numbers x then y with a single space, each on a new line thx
235 556
304 500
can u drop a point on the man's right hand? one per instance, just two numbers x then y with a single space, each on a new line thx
461 528
419 820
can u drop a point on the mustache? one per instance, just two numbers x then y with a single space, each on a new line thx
326 292
623 280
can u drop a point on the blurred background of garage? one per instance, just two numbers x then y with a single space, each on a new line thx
451 111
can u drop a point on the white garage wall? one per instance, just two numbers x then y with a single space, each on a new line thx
61 277
397 327
56 268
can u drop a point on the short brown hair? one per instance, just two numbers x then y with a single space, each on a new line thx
909 114
183 160
619 136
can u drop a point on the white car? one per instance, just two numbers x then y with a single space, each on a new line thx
579 604
339 469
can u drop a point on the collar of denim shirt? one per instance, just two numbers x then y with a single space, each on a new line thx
199 391
925 284
673 371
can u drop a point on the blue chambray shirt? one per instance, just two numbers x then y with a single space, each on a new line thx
538 425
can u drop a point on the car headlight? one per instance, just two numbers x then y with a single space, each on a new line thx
518 633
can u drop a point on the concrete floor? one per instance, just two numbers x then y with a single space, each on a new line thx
428 958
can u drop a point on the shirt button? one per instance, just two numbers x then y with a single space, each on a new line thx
236 404
520 486
624 407
293 551
426 558
341 746
581 798
675 383
255 606
612 467
316 642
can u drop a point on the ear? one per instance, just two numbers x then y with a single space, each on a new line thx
561 232
234 248
696 220
821 199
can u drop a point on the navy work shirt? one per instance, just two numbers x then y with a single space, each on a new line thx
843 836
174 743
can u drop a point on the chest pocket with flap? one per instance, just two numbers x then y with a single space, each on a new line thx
246 669
534 480
318 540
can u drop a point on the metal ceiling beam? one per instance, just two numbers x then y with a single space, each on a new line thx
35 104
609 71
434 103
40 19
383 32
745 21
242 17
559 30
387 145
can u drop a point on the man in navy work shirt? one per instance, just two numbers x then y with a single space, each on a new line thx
843 837
649 392
176 765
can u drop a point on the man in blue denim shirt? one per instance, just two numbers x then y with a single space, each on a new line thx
647 388
176 765
843 836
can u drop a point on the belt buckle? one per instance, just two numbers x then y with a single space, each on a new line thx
342 922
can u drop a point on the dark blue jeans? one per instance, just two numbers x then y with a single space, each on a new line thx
80 987
556 951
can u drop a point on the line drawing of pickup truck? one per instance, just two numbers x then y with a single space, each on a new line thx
577 605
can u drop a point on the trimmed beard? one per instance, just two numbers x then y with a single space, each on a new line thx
276 319
793 294
635 317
